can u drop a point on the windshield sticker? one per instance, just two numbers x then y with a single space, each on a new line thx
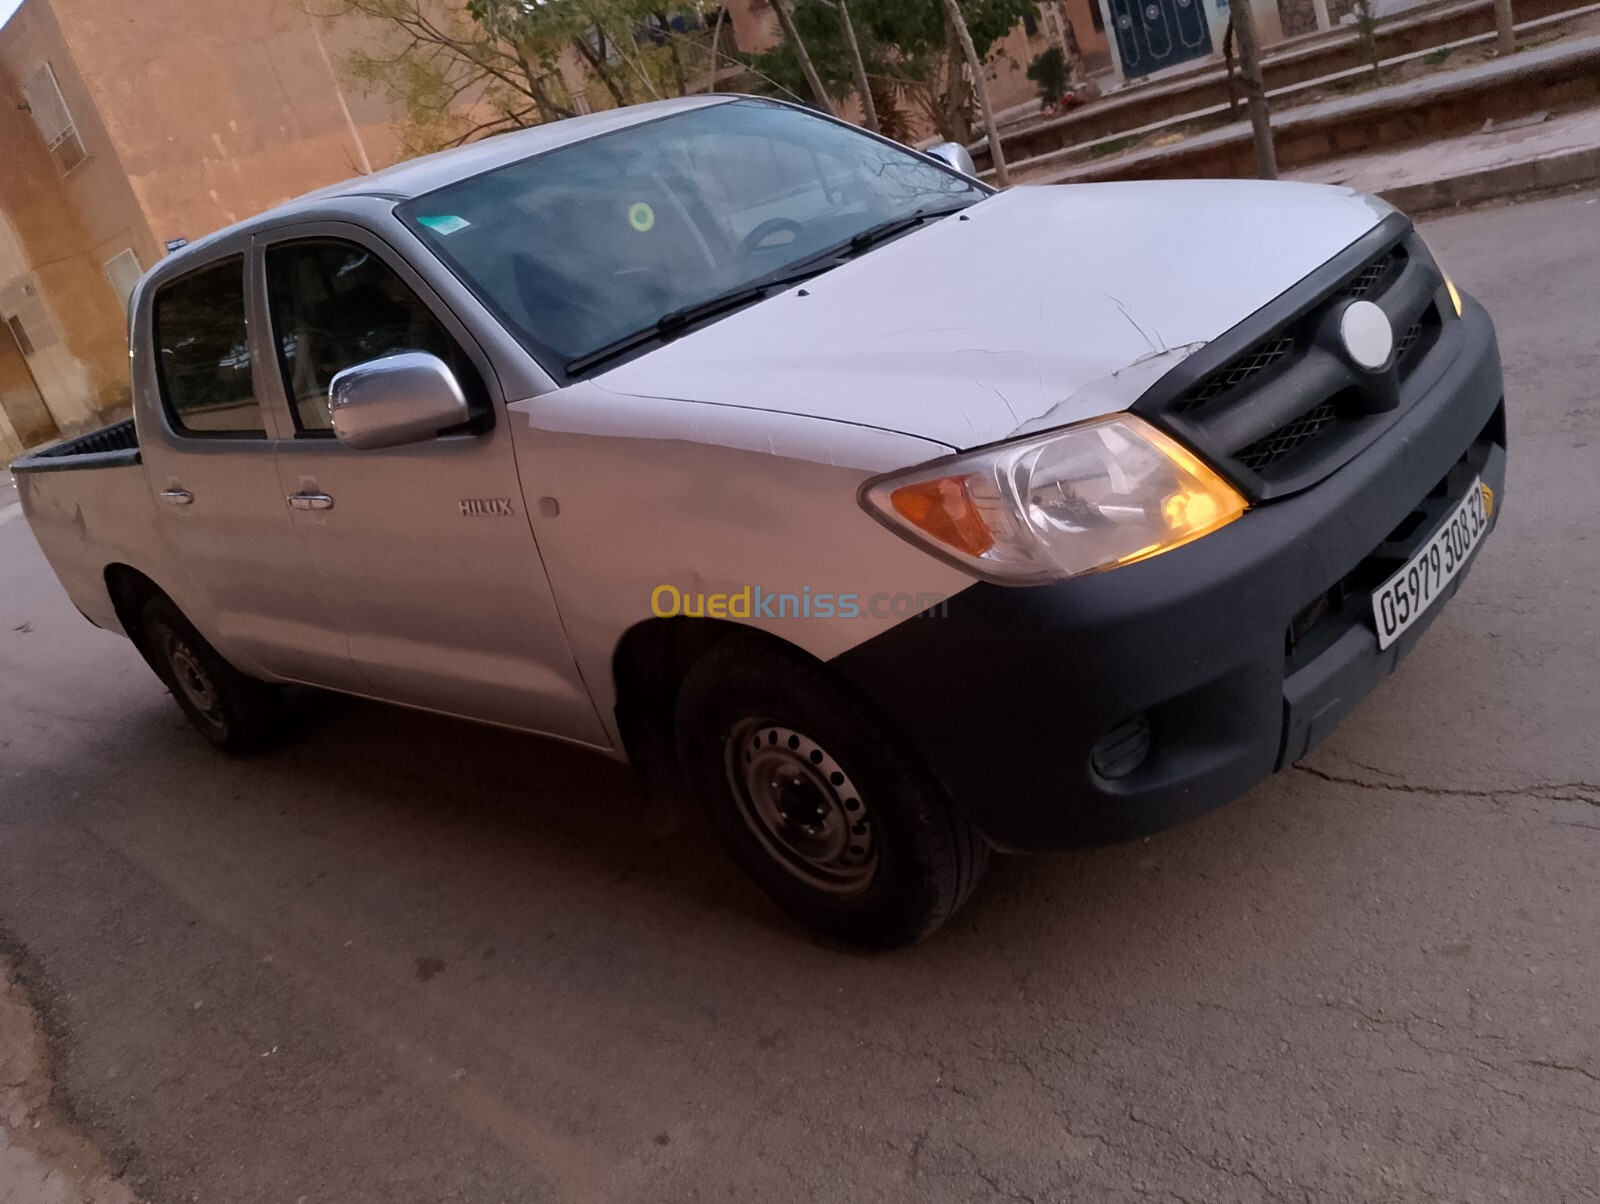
641 217
445 224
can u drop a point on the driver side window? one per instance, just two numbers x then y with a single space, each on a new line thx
334 305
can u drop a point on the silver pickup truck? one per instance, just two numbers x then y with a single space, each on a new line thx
899 518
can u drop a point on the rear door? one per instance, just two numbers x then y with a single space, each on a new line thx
424 553
208 439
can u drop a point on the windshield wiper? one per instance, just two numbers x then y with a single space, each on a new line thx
873 235
677 320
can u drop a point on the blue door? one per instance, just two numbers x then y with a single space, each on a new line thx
1152 34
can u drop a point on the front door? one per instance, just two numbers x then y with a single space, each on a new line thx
424 552
1153 34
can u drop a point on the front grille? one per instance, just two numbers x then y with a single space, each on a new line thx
1239 372
1375 273
1418 338
1265 452
1409 340
1277 403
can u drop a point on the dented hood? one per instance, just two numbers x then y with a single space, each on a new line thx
1044 306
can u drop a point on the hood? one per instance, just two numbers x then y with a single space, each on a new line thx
1044 306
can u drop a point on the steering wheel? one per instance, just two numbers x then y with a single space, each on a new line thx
773 225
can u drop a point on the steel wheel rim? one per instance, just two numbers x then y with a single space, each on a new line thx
192 680
800 804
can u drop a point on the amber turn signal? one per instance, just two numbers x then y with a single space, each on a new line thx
943 509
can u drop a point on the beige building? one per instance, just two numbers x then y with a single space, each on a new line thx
124 127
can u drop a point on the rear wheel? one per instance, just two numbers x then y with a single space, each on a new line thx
234 712
818 801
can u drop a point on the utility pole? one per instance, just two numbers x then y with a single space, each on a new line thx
1505 28
980 86
1255 92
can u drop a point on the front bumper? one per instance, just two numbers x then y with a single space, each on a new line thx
1241 650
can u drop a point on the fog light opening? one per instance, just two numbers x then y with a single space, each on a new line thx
1122 749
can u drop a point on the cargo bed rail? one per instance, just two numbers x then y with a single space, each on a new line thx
113 446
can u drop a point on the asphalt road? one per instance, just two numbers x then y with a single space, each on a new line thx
408 960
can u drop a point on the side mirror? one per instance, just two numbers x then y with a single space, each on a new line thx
402 398
953 154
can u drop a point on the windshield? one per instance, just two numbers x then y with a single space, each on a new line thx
580 247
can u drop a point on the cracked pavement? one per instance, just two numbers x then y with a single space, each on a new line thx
411 960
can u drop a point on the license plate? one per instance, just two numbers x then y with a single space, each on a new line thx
1401 601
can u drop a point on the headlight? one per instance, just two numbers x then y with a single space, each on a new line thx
1449 284
1092 496
1450 287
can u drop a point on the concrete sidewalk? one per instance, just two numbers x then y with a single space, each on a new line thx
1459 171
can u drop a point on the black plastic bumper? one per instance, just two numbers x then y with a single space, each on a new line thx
1240 650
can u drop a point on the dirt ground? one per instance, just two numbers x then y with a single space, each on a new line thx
41 1160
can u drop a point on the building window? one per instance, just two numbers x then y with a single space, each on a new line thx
24 344
50 114
123 270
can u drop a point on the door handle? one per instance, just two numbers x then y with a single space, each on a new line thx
178 497
311 501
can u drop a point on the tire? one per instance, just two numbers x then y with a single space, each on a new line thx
817 800
235 713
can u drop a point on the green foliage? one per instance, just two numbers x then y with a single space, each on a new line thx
1049 71
463 69
905 45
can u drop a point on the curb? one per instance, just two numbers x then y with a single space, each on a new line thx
1557 77
1555 170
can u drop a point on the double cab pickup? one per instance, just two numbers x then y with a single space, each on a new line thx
898 518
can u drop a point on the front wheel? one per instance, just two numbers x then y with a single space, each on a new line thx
235 713
818 801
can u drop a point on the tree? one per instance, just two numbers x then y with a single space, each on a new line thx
980 85
1255 92
858 66
465 69
1049 71
797 47
455 75
909 52
1505 28
1367 31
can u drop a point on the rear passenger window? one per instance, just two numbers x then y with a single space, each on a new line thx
334 305
203 353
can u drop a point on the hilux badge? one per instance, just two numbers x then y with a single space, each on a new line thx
486 507
1368 337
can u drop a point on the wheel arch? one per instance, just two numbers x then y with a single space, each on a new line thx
648 666
129 590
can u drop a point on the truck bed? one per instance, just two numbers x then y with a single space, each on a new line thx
114 446
87 521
